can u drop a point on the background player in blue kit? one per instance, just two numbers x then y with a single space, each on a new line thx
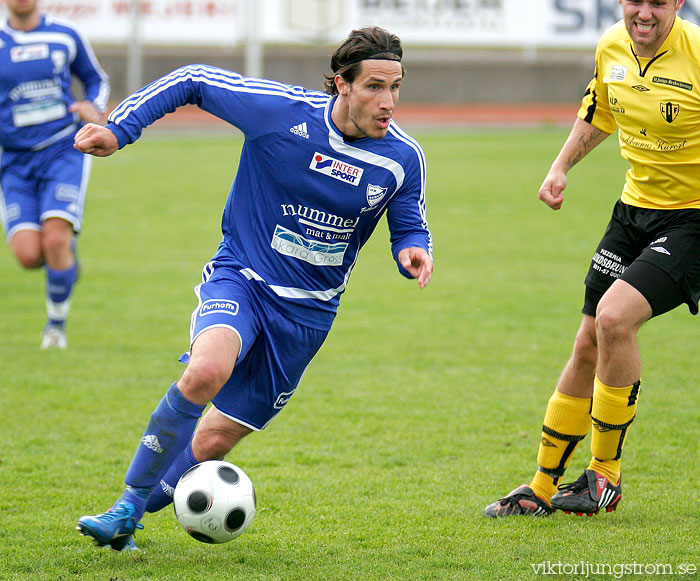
42 177
317 172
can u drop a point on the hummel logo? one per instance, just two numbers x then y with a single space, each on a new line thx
301 130
660 249
151 441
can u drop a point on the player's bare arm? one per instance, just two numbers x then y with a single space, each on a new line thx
87 112
96 140
583 138
418 263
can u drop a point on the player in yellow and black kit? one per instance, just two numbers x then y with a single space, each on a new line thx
647 86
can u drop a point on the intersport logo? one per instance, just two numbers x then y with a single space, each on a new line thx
337 169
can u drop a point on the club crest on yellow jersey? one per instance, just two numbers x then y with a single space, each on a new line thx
669 110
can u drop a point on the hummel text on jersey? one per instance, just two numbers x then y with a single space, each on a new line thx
319 217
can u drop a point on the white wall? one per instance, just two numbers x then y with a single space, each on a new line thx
484 23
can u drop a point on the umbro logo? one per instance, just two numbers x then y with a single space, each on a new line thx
548 443
301 130
640 88
660 249
151 441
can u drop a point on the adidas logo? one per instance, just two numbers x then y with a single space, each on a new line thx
167 489
151 441
301 130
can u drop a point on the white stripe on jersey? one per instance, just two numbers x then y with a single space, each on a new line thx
216 78
21 37
399 134
101 100
65 132
299 293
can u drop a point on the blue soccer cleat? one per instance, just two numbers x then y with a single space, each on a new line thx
113 527
125 544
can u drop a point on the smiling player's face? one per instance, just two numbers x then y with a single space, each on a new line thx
365 106
648 23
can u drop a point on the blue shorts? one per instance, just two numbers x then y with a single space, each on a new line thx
36 185
275 351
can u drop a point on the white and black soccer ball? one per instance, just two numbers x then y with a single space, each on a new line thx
214 501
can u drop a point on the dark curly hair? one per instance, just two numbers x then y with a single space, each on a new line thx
369 42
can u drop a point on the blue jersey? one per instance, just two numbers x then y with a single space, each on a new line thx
36 68
305 199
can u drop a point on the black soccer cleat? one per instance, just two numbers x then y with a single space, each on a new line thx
588 495
521 502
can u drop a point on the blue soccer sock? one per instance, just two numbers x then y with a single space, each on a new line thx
59 287
162 495
169 430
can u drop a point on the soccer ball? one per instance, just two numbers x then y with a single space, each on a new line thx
214 501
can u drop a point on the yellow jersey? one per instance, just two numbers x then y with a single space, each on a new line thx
655 106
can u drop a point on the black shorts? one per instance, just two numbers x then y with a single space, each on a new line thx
655 251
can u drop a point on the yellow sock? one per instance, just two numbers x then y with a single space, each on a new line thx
613 411
566 422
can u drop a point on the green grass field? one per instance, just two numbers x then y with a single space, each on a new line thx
421 408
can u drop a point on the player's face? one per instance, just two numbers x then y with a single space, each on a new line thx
370 100
648 23
21 8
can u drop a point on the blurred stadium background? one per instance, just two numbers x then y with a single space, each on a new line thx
477 59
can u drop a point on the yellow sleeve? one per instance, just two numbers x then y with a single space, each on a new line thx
595 108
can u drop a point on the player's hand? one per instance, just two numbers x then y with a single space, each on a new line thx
418 264
551 191
96 140
87 112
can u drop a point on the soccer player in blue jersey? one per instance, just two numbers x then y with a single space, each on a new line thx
316 174
43 179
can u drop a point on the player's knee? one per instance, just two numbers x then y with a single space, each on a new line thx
27 249
612 324
56 243
203 378
30 260
586 348
215 445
